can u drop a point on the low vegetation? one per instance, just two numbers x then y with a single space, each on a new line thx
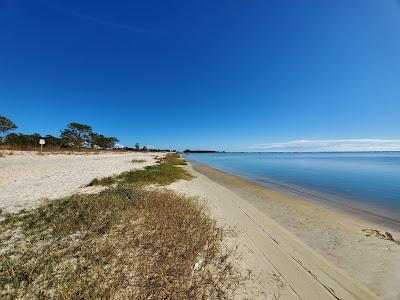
122 243
174 159
125 242
166 171
105 181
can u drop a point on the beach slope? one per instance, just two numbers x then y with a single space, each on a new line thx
282 266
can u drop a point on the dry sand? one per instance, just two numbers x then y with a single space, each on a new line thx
297 249
27 178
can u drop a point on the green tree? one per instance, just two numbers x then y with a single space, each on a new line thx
137 147
111 141
11 139
101 141
144 149
6 125
24 140
53 141
76 135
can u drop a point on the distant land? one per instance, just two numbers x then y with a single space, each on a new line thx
202 151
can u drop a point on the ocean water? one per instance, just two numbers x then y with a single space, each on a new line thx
365 181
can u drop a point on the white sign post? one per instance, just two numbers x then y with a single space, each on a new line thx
41 142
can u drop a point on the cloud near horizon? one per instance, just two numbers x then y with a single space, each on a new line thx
330 146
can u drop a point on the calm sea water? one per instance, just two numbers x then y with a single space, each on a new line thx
367 181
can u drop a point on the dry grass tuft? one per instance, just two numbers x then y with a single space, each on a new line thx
5 153
138 161
105 181
123 243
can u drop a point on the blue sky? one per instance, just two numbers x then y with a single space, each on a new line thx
233 75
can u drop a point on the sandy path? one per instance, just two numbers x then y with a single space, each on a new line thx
26 178
283 266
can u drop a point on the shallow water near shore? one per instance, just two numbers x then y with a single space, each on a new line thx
366 181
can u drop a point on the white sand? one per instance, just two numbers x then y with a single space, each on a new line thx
27 178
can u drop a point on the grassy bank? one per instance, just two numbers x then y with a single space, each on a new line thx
124 242
166 171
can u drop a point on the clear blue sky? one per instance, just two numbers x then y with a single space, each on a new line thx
203 74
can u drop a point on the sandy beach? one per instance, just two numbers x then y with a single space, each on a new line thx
200 150
296 248
26 178
292 248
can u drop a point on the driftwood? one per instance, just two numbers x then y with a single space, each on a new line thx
384 236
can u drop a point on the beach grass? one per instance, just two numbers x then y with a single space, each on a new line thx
124 242
174 159
165 172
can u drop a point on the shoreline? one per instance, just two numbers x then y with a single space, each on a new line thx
339 238
338 203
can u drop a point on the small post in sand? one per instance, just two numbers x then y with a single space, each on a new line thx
41 142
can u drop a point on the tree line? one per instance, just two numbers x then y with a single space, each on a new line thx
76 135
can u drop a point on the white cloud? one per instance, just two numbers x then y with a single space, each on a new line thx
118 146
330 146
